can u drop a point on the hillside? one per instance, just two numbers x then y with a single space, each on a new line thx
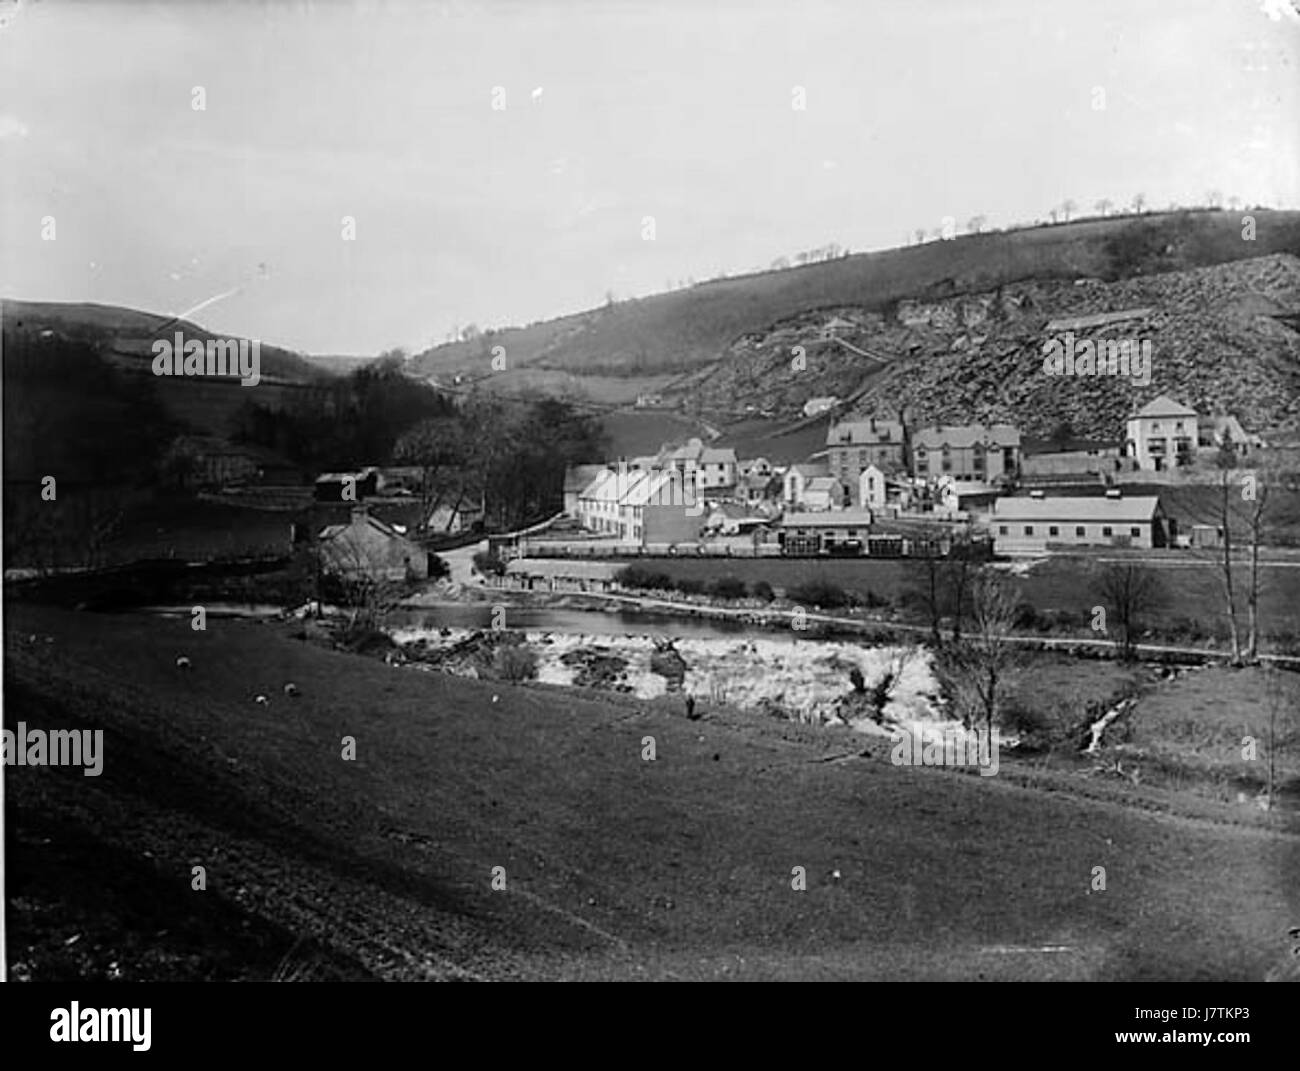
614 867
654 339
1222 339
121 338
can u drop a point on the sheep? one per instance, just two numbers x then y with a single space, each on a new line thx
291 690
183 663
262 701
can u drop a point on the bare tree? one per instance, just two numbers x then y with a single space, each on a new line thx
1130 592
1226 461
976 224
1279 469
1103 206
1139 202
975 668
1067 207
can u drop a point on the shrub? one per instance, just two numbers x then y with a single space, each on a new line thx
488 563
638 576
1026 616
761 589
438 567
514 663
689 585
818 593
728 587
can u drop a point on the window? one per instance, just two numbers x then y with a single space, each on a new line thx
1002 529
1136 533
1029 529
1080 531
1106 531
1053 530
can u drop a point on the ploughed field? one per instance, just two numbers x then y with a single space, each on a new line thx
614 867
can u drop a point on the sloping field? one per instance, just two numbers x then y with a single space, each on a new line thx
614 867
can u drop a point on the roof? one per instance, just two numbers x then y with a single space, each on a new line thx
332 530
550 567
822 483
810 469
962 436
864 431
645 489
711 456
835 518
1164 406
579 477
1083 509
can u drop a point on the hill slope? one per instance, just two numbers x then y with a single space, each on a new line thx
687 331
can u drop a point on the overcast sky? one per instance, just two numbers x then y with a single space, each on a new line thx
682 110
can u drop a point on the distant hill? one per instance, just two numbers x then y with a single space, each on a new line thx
123 337
685 331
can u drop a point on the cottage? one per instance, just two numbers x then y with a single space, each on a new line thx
796 480
576 479
367 547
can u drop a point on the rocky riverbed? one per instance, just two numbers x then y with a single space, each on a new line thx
806 680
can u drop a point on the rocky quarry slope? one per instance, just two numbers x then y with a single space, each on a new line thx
1223 338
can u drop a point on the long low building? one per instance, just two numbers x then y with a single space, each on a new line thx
1036 524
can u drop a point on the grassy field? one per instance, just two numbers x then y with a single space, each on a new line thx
614 867
1190 591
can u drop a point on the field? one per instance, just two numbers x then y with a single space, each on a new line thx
614 867
1191 591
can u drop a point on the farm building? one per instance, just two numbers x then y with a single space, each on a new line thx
1035 524
347 486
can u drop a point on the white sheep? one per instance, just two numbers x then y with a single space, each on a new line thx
182 662
262 701
291 690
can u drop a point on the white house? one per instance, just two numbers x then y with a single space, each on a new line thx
717 468
871 488
822 493
796 480
1163 434
598 503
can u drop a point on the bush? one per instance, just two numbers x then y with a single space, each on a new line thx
761 589
818 593
488 563
438 567
728 587
1026 616
638 576
514 663
689 585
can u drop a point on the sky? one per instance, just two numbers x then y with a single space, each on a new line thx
504 162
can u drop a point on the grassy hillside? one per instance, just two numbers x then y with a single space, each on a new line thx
615 867
685 330
122 337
